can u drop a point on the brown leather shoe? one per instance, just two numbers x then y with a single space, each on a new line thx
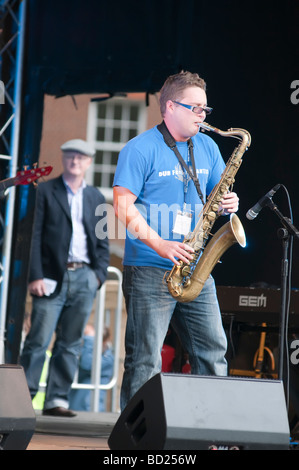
59 411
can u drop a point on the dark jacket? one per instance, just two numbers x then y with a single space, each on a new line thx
52 232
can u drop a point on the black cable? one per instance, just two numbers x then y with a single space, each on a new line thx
289 282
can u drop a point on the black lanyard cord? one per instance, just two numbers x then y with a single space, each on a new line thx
170 142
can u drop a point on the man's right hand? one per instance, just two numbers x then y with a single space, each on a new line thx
175 251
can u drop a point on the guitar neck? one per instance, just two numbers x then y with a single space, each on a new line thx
4 184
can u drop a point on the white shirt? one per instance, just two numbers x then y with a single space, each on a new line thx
78 250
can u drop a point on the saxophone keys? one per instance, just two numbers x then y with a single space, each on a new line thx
211 216
186 270
215 207
177 291
197 246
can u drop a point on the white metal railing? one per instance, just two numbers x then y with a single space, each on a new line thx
95 386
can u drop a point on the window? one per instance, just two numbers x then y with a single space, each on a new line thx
111 124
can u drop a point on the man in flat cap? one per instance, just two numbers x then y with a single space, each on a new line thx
68 265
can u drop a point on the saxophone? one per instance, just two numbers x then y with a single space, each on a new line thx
185 281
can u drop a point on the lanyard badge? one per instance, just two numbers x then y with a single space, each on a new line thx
182 223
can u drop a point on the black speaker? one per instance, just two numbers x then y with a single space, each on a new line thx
197 412
17 416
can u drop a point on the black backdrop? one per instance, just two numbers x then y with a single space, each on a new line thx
246 51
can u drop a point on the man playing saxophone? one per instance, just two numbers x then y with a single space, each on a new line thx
158 192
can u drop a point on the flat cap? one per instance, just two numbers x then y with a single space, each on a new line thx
78 145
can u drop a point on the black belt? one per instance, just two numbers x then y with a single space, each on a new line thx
75 265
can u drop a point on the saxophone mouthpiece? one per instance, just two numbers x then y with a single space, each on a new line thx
204 126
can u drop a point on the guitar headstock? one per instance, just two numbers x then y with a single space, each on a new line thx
30 176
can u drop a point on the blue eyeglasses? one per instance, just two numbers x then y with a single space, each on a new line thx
196 109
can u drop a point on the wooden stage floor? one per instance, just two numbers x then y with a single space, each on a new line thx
86 431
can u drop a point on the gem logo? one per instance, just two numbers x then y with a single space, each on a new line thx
252 300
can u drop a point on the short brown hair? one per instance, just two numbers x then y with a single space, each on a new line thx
176 84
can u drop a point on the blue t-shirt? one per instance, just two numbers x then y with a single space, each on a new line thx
150 170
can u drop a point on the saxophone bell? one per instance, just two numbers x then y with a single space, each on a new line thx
186 290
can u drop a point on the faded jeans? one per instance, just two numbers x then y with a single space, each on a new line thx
150 308
66 315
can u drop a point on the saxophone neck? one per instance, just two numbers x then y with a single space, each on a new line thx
232 132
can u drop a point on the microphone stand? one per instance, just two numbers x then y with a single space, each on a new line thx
283 234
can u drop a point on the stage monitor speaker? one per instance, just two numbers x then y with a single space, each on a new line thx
17 416
197 412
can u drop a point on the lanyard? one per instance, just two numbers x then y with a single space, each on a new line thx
170 142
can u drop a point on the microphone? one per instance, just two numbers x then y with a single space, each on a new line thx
255 210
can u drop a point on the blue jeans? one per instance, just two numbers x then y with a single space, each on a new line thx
150 308
66 315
